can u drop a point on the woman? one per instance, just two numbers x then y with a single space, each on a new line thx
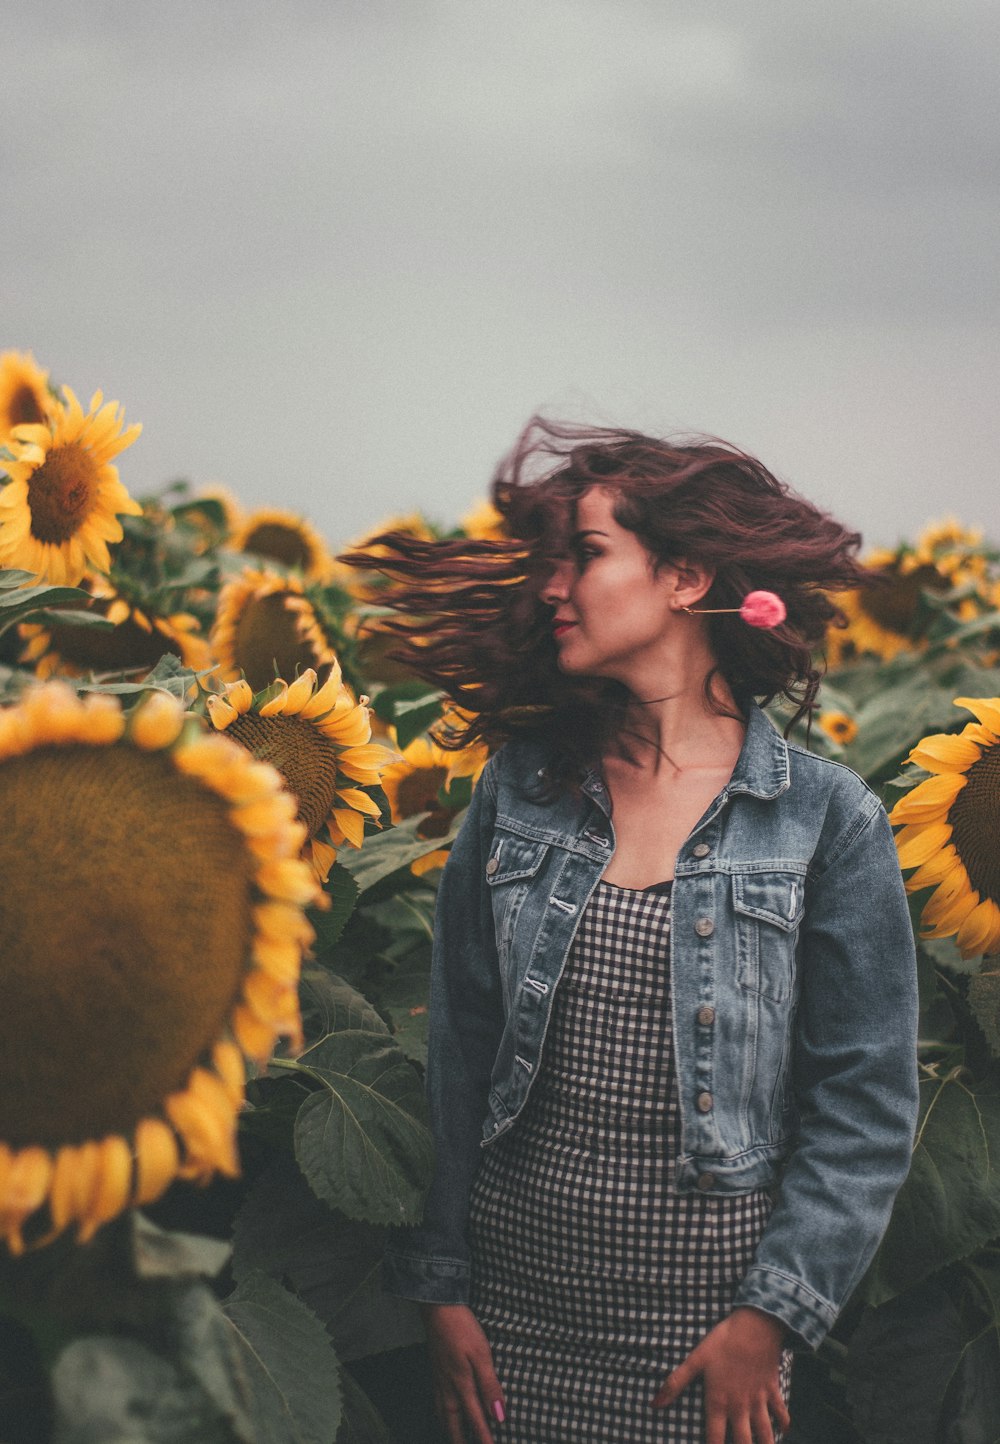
671 1065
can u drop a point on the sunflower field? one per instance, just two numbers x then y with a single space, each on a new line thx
226 809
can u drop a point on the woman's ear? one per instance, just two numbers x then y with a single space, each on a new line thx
691 582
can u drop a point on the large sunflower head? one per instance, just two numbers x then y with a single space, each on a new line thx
266 627
60 508
25 395
138 640
319 739
153 926
283 537
949 825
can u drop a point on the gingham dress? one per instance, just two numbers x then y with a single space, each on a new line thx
592 1277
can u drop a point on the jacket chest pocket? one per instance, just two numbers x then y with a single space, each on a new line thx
512 865
768 909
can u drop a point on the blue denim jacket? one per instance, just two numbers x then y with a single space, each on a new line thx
794 1008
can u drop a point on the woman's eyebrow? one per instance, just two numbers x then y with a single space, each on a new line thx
579 535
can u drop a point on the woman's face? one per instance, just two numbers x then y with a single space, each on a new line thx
612 612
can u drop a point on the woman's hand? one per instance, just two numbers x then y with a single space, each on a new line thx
467 1392
738 1362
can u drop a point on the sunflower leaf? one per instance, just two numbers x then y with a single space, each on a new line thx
332 1262
362 1423
102 1386
984 1000
392 852
342 890
949 1205
361 1139
17 606
290 1367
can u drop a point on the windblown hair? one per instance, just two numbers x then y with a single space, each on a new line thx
471 621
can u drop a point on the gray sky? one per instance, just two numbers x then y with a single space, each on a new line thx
334 254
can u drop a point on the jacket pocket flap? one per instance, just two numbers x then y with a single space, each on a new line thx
513 857
773 897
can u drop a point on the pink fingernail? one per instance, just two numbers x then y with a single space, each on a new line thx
498 1411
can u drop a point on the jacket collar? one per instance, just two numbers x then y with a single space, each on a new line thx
762 768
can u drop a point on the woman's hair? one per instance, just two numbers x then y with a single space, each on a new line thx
471 621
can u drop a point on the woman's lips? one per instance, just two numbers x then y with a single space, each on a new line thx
559 629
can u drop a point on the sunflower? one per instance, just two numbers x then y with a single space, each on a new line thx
25 396
266 627
139 639
890 616
283 537
949 828
838 726
413 786
153 931
319 739
214 514
61 506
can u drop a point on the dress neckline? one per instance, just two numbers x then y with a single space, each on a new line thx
663 887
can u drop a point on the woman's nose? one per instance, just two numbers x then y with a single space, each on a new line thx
556 588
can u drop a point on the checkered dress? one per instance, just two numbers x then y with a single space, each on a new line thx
592 1277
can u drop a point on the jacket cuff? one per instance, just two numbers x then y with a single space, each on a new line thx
787 1299
426 1280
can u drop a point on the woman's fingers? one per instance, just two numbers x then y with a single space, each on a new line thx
675 1384
779 1408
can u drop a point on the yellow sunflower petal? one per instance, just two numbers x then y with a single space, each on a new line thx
239 695
220 712
276 706
987 709
979 930
918 842
360 801
157 721
351 824
944 752
157 1159
929 801
299 693
429 862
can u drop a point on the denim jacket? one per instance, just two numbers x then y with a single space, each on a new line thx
793 995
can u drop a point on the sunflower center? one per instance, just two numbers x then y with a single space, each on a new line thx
24 408
894 600
61 492
125 922
305 758
128 647
281 543
267 641
974 818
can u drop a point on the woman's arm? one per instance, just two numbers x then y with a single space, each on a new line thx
430 1263
855 1082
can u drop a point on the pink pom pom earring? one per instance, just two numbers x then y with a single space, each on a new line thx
759 609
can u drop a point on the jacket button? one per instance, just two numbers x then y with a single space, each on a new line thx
701 849
706 1015
706 1181
704 927
705 1102
491 867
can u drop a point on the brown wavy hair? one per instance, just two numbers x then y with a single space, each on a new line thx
470 619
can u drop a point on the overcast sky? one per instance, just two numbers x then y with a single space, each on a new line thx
334 254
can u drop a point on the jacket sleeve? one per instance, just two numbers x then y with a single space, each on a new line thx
431 1261
855 1080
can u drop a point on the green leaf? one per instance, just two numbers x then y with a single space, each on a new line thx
18 606
335 1007
949 1205
110 1390
361 1422
413 718
68 618
392 851
158 1253
900 1362
361 1139
291 1370
388 699
342 890
984 1000
333 1263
